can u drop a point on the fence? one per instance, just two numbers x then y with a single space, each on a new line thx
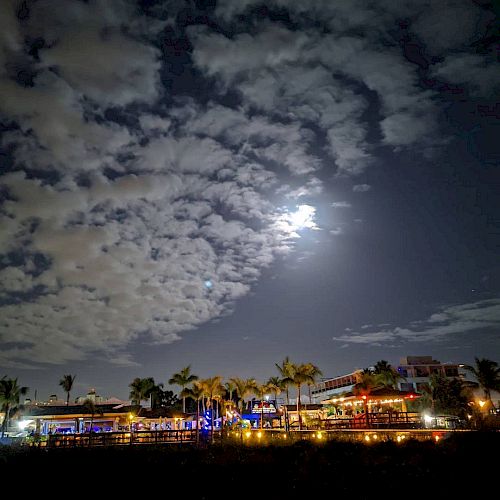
117 438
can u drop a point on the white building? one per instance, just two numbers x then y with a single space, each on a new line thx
416 371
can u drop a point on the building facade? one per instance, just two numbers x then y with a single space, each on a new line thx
328 388
417 371
414 370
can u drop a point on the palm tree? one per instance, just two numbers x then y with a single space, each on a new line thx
261 390
387 375
286 371
195 392
92 409
67 384
213 389
243 387
141 389
275 386
183 379
314 372
367 381
300 375
156 395
487 374
230 388
10 393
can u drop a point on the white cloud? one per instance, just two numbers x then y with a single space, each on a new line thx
361 188
452 320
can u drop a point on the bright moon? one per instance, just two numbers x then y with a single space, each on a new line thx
302 218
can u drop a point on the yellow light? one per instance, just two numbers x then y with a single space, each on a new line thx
284 436
481 403
248 434
375 436
320 435
367 438
437 438
314 435
398 439
259 434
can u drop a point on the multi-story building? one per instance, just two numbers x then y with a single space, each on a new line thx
331 387
417 370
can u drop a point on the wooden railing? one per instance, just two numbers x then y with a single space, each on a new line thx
117 438
400 420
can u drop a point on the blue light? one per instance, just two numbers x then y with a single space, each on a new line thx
208 284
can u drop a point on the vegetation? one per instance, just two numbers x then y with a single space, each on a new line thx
455 467
487 374
313 373
67 384
10 394
142 389
196 393
286 373
183 379
212 389
386 375
446 396
91 409
243 387
275 385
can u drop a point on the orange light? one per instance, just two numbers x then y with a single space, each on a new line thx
363 397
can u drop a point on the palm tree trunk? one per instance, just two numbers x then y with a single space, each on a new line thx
184 405
67 399
212 421
90 433
298 407
261 413
287 396
6 419
197 421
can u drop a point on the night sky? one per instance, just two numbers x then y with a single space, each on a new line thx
224 184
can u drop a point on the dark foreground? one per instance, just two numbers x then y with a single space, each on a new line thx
455 466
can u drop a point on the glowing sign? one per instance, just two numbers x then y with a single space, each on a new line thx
264 407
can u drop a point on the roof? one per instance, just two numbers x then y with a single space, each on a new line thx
378 393
66 410
161 413
305 407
